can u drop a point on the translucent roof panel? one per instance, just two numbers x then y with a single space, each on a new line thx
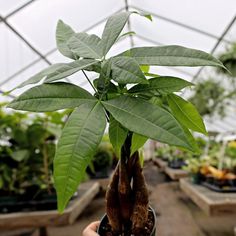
27 35
208 15
166 33
22 77
14 55
37 22
8 6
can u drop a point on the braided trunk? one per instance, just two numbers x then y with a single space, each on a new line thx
127 195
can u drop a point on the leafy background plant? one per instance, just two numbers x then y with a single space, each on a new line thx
26 151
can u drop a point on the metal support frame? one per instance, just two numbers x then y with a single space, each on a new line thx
220 39
126 7
180 24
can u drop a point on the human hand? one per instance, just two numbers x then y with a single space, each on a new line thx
91 229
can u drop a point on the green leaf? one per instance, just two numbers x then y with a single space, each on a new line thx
191 139
162 85
76 147
137 142
58 71
171 56
148 16
69 69
126 70
20 155
112 30
129 33
51 97
86 45
42 74
150 74
117 135
185 112
147 119
145 68
63 33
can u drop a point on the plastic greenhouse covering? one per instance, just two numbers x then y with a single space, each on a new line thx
27 36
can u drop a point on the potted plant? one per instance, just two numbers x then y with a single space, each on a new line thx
101 164
27 148
149 109
229 59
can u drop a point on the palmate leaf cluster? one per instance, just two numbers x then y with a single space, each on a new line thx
150 109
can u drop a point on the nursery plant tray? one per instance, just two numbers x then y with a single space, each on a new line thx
87 191
213 203
226 189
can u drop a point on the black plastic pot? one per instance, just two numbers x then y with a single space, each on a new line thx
176 164
17 204
101 174
104 222
196 178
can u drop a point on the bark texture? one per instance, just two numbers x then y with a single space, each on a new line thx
127 195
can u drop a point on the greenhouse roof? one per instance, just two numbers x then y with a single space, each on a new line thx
27 35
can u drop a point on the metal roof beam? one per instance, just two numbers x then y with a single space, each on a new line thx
181 24
19 9
217 43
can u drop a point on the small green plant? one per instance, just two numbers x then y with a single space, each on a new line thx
27 148
102 161
149 109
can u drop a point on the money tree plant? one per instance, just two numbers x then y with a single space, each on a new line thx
136 105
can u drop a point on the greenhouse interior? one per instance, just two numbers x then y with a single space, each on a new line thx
117 118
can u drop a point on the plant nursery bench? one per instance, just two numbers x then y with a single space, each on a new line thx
160 163
211 202
176 174
41 219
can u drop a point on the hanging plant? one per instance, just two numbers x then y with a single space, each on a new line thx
228 58
210 98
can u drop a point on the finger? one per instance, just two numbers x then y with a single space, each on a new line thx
94 225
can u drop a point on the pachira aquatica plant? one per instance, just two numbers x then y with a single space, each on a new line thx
149 109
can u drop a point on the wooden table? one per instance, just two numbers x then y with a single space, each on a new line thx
213 203
176 174
160 163
41 219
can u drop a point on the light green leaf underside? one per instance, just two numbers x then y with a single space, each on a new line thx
51 97
161 84
63 33
76 147
42 74
147 119
137 142
112 30
126 70
185 112
172 56
117 135
20 155
69 69
86 45
58 71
